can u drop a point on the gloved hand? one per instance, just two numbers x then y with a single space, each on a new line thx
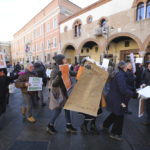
135 95
59 74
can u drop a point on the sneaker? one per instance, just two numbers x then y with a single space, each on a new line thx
116 137
23 109
31 119
70 128
84 128
51 130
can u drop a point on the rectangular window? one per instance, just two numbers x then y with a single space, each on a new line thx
54 23
48 27
41 30
48 57
48 44
55 42
127 43
37 33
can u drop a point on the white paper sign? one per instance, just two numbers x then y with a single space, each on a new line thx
2 60
139 60
133 62
145 92
48 72
105 63
36 84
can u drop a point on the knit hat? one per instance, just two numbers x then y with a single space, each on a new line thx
122 65
58 59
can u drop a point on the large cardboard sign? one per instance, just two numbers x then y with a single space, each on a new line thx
86 95
65 76
2 61
145 92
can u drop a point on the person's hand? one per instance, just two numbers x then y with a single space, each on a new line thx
143 85
27 84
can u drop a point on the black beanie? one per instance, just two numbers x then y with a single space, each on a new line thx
58 59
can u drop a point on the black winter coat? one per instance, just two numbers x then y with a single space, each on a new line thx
146 77
119 93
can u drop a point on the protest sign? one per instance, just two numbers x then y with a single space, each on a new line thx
86 95
105 63
65 76
48 72
36 84
133 62
2 61
141 108
145 92
139 60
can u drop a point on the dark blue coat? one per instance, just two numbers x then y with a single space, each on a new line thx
130 79
119 93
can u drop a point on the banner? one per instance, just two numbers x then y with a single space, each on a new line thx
133 62
139 60
86 95
65 76
2 61
36 84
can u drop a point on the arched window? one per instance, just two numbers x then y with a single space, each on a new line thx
140 11
89 19
148 9
103 23
77 28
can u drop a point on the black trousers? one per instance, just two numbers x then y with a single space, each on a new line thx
116 121
3 104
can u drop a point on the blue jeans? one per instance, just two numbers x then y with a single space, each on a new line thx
56 113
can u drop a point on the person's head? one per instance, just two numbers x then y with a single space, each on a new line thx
30 67
59 59
1 72
18 63
122 66
129 66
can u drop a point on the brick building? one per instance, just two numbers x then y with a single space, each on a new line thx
118 27
5 47
39 39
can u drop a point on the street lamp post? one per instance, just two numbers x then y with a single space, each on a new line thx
106 31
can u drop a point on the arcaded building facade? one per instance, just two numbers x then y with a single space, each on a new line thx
108 28
39 39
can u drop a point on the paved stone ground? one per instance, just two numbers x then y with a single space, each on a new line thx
18 134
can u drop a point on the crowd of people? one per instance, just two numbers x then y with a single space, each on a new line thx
119 90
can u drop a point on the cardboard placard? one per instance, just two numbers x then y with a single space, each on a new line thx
145 92
105 63
65 76
2 60
139 60
36 84
86 95
141 108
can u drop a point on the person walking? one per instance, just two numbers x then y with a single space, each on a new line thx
116 98
58 96
130 79
146 82
23 84
40 70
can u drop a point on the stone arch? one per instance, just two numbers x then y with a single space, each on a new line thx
69 50
146 42
132 36
136 2
88 40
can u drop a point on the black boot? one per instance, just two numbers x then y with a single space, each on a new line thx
51 130
93 126
84 127
70 128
